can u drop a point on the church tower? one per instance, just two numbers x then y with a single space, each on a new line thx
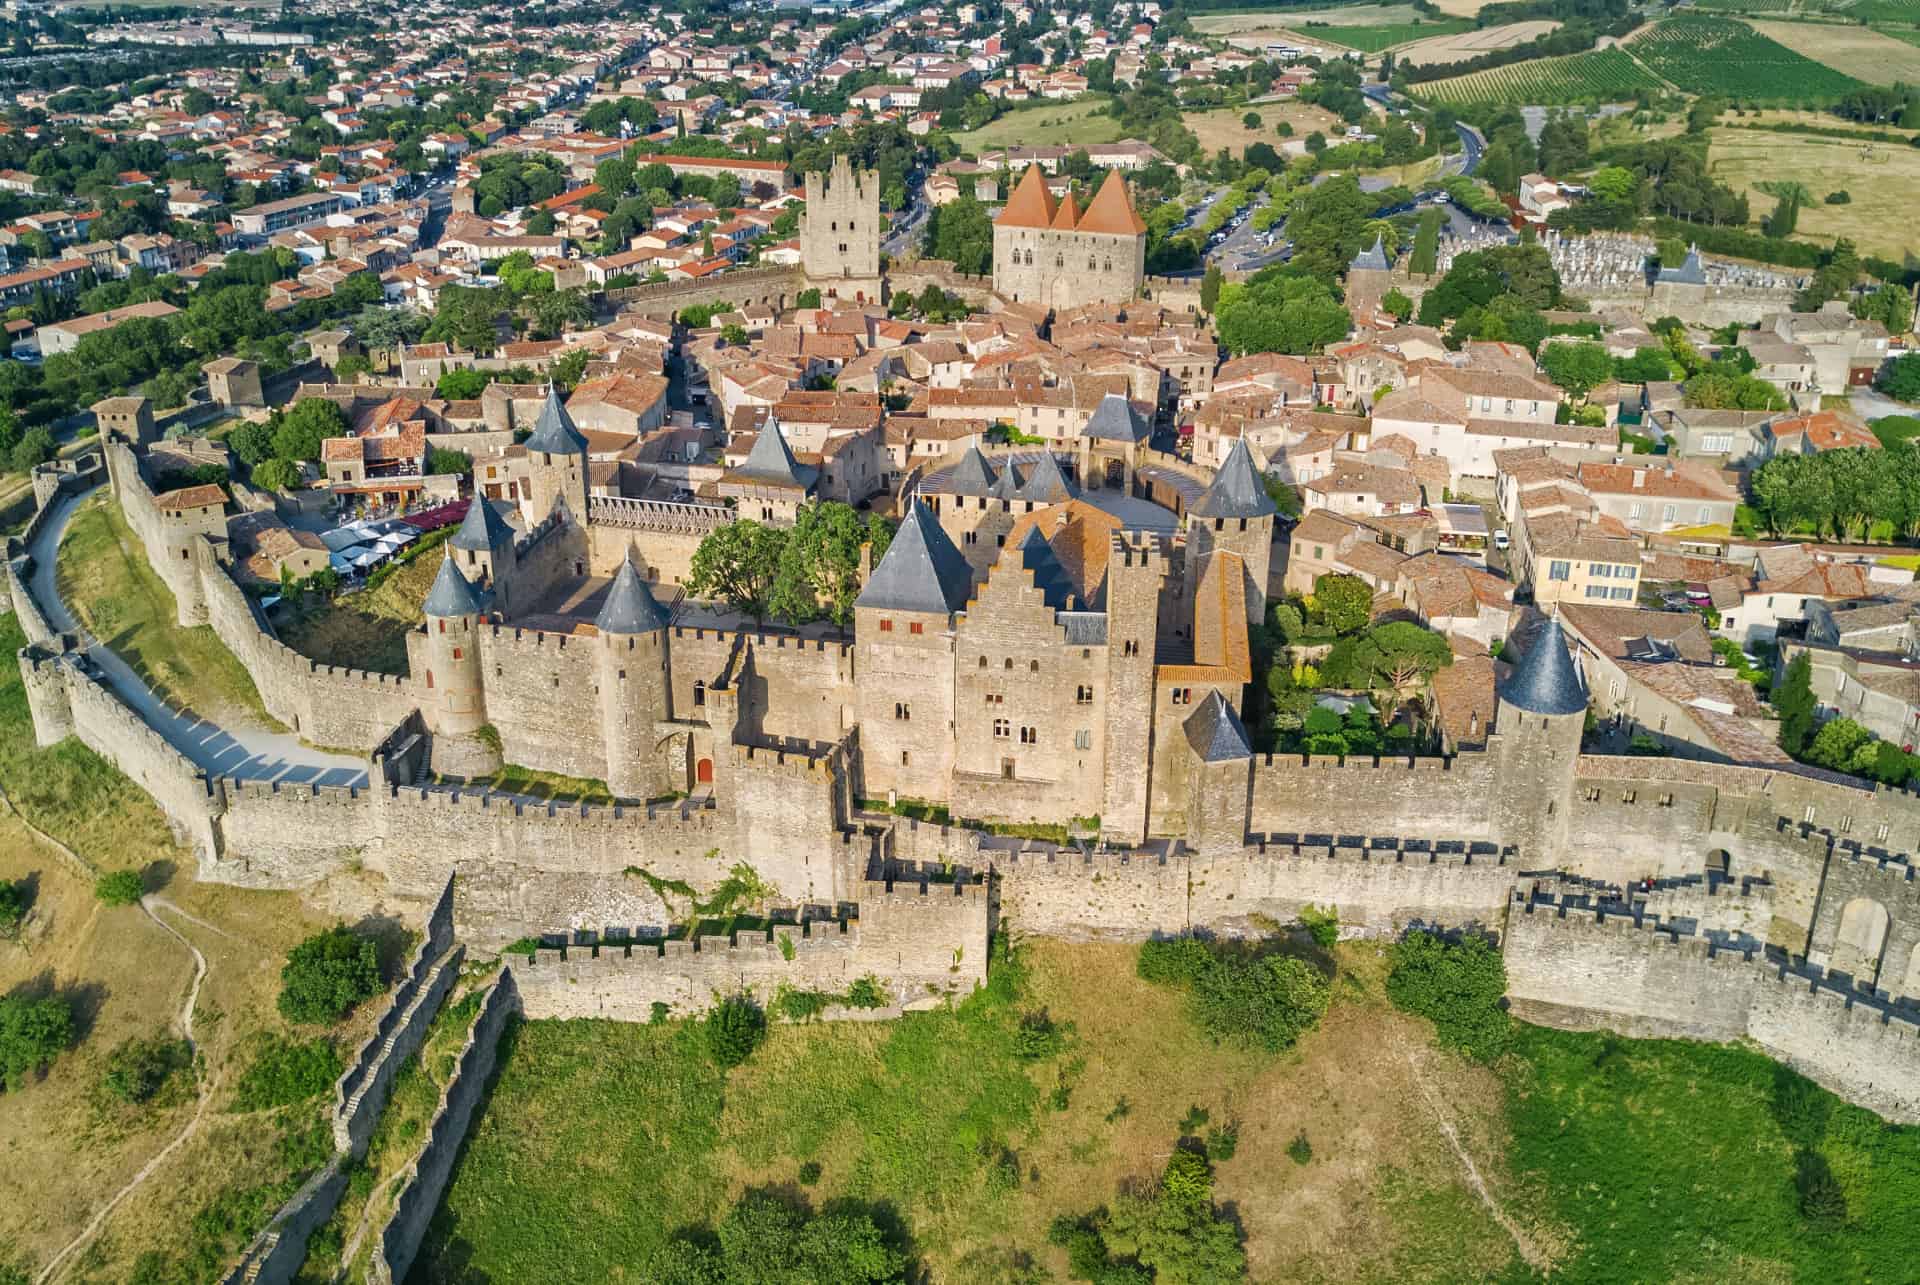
840 233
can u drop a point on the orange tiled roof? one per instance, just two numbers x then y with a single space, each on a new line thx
1112 210
1031 204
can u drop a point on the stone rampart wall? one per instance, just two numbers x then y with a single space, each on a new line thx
1580 969
1293 794
785 685
543 697
427 1176
772 287
276 1254
1860 1050
166 540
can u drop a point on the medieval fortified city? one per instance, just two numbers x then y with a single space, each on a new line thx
983 643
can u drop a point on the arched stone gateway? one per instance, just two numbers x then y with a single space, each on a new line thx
675 754
1863 936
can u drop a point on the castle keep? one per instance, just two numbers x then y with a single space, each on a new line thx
840 233
1054 255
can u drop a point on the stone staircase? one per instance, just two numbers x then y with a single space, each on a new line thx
428 991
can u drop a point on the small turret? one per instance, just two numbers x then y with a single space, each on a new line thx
556 463
1221 776
483 546
1235 515
1539 721
452 697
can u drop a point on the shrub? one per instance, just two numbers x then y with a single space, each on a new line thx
138 1068
866 992
1268 1001
809 1173
13 907
1223 1140
1322 925
1176 961
800 1006
326 975
1842 197
1300 1151
1037 1037
118 887
525 946
285 1071
657 1012
1458 986
32 1033
734 1029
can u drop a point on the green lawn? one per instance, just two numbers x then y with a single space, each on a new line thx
1373 39
1080 121
105 579
1620 1160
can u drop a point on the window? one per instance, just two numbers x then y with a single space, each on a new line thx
1083 740
1635 512
1706 515
983 662
1083 695
429 680
914 627
1560 571
1596 591
995 698
1029 736
1623 594
886 626
1716 443
458 653
1183 695
1131 648
1033 667
1002 729
1668 512
906 758
1600 569
1009 663
902 711
699 694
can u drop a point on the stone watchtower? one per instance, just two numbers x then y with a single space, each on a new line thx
840 233
633 686
1235 515
452 690
483 546
1539 720
1136 573
556 465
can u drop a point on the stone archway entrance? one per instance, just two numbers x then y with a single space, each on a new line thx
703 772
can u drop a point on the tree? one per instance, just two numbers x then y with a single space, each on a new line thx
303 428
1343 603
137 1068
1456 984
1279 310
32 1033
444 460
808 298
961 233
277 475
1793 698
350 367
819 570
1210 288
1175 1232
734 1028
738 564
13 907
252 442
768 1239
1890 305
1408 653
1902 379
326 975
1266 1002
36 446
567 371
119 888
462 385
540 223
1578 367
1397 304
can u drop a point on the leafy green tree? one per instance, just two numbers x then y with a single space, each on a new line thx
1171 1235
571 366
1343 602
36 446
32 1033
462 385
277 475
1268 1002
1578 367
1479 277
734 1028
443 460
137 1068
1793 699
767 1240
1716 390
305 426
1210 288
961 233
1397 304
326 975
13 907
818 576
738 564
119 888
808 298
1458 985
252 442
1889 304
1279 310
1902 379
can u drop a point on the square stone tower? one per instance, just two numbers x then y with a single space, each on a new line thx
840 233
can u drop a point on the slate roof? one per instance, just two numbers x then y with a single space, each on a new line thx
1045 483
483 529
771 462
1113 420
554 432
451 594
1690 272
1037 556
1374 258
1545 681
973 475
630 607
921 570
1236 491
1215 731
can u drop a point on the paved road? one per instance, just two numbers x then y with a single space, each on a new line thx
253 753
1870 405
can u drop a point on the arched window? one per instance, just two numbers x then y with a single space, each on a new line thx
983 662
1033 667
1009 662
699 692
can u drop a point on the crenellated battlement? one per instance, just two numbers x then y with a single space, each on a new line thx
765 947
1647 929
762 639
810 761
1357 762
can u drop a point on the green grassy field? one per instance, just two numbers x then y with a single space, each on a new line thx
1373 39
105 579
1615 1160
1080 121
1604 76
368 629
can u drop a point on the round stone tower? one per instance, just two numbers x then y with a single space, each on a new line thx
452 689
1540 718
634 686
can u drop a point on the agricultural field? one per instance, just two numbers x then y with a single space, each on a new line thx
1080 121
1467 44
1604 76
1880 179
1704 55
1854 51
1374 39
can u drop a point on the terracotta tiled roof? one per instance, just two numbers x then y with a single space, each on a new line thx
1067 215
1112 210
1030 205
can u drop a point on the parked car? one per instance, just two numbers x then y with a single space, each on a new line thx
1500 540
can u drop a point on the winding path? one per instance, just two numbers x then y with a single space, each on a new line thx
254 753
